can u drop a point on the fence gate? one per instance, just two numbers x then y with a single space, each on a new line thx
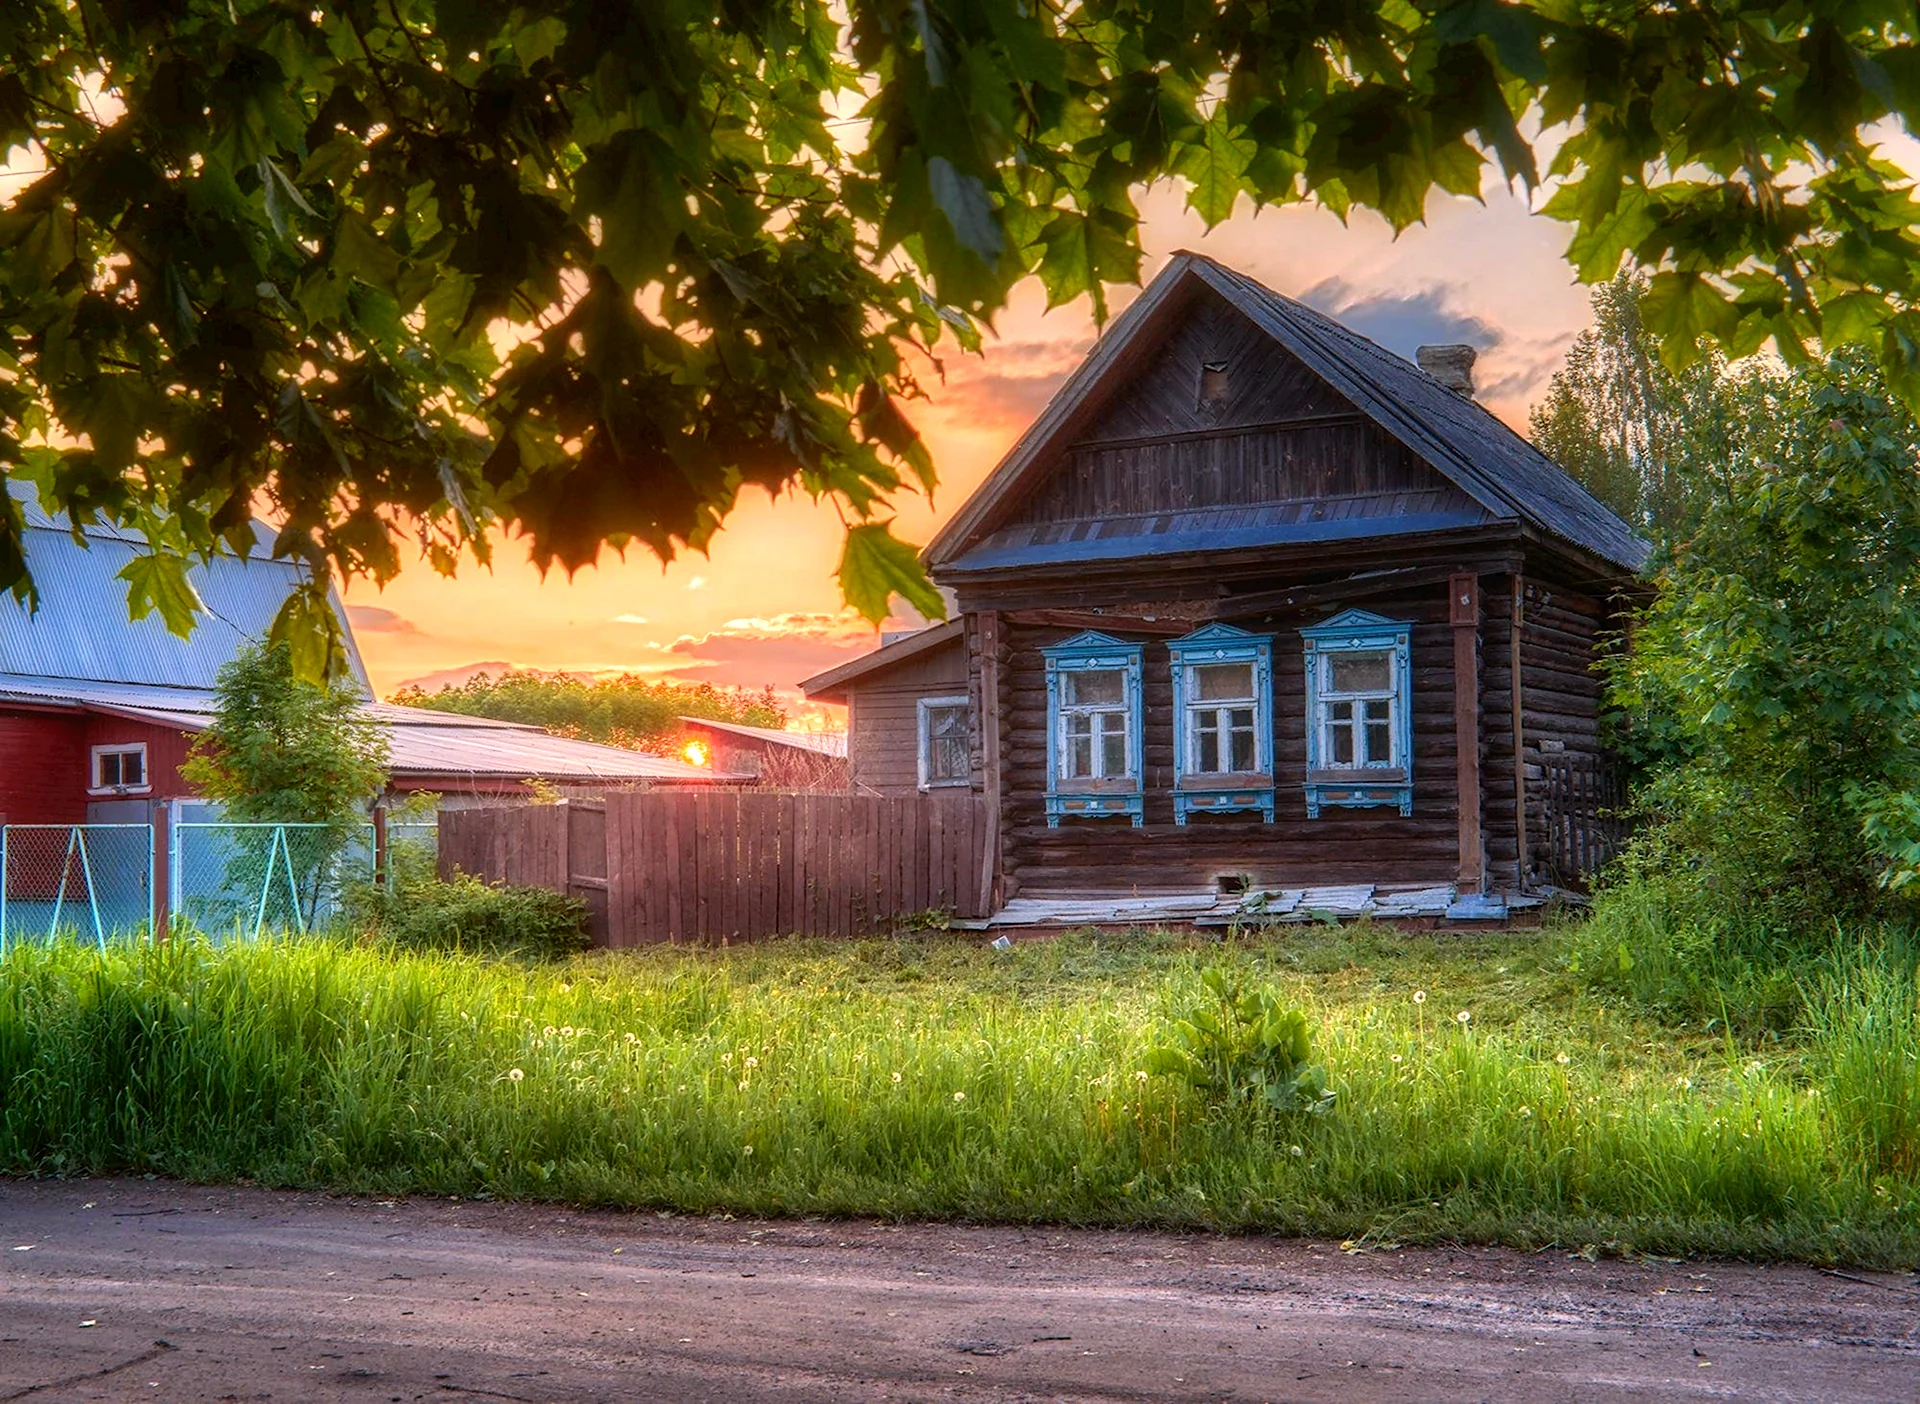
1585 816
89 881
245 879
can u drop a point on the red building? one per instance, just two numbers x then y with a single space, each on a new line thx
97 711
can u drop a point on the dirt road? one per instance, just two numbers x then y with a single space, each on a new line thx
113 1289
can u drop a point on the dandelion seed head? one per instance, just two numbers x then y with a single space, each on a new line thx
746 1150
744 1084
549 1031
1397 1058
1562 1059
896 1077
1140 1075
959 1096
514 1074
753 1062
1465 1016
1419 996
1524 1112
1295 1150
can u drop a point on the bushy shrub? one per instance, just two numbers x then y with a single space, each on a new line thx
466 914
1243 1050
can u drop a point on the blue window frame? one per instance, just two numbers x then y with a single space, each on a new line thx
1359 713
1223 719
1094 738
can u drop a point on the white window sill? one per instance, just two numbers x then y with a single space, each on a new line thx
121 792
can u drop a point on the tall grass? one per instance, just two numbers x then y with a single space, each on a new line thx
935 1079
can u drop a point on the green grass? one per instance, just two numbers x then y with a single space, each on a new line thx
943 1079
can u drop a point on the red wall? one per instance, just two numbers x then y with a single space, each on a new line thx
46 762
166 752
43 767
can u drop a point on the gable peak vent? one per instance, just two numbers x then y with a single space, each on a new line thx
1451 365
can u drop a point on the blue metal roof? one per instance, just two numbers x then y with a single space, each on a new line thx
1098 542
81 630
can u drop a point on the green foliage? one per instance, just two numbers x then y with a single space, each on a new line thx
1781 658
1644 440
272 248
821 1078
466 914
623 711
1241 1048
281 749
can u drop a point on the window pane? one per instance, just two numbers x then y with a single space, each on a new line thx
1340 711
1341 738
947 721
131 765
947 759
1359 672
1093 688
109 770
1223 682
1079 756
1245 752
1114 755
1379 743
1207 752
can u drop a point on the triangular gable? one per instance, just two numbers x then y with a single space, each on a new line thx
1461 440
1349 621
1209 635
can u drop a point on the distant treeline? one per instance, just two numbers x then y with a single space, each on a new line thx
624 711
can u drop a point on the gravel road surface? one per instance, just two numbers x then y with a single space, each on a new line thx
132 1289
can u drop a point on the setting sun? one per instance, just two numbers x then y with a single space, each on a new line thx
694 753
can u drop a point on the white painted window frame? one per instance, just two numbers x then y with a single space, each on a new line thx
119 748
923 733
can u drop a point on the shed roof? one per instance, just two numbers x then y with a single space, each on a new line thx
1467 444
832 685
820 743
81 631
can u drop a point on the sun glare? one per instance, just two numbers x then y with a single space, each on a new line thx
694 752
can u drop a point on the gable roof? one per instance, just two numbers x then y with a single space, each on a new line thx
1467 444
81 631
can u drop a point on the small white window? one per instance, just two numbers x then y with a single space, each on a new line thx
944 755
120 769
1359 702
1223 714
1094 717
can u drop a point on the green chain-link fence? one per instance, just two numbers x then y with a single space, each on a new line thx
242 880
80 881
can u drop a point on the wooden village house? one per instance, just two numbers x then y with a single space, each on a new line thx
1257 609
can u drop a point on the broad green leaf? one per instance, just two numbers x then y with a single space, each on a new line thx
159 581
876 565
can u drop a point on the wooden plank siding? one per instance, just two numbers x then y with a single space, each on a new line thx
883 721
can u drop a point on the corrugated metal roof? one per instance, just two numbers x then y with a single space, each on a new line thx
421 744
824 743
81 630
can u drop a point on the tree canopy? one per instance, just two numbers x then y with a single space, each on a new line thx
409 270
624 711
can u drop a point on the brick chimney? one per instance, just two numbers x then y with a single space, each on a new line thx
1452 366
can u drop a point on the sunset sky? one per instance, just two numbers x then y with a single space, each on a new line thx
765 608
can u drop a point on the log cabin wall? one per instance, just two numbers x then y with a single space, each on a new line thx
883 722
1366 845
1562 690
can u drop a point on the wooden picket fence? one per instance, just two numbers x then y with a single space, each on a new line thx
1586 821
727 865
